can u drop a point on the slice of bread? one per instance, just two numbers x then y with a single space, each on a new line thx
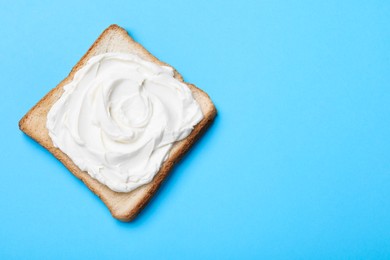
123 206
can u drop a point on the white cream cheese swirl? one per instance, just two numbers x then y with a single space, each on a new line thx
119 117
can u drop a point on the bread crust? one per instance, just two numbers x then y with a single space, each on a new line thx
123 206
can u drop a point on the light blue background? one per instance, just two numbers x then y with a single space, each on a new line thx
295 166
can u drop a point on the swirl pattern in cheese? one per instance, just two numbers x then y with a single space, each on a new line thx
119 117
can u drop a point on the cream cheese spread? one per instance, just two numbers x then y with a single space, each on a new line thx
119 117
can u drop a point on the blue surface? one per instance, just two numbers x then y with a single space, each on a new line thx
295 166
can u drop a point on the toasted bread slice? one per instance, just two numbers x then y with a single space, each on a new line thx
123 206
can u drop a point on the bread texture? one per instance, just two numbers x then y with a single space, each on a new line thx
123 206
